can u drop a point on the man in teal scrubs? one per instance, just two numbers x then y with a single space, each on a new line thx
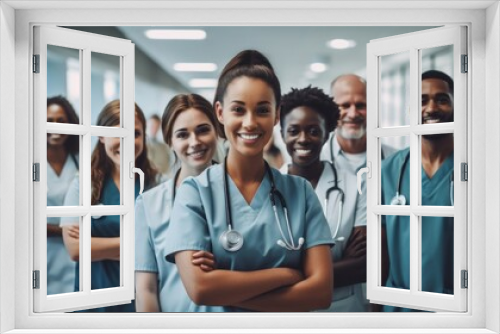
437 190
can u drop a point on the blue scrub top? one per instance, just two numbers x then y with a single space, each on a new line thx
152 217
437 232
199 218
60 267
105 273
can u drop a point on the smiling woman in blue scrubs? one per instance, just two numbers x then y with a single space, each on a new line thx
105 181
284 262
190 129
62 166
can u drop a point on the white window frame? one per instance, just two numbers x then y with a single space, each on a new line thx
85 43
15 38
413 43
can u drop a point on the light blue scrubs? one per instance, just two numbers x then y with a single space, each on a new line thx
60 267
152 217
199 218
105 273
437 232
348 298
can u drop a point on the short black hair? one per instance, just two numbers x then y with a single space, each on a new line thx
435 74
314 98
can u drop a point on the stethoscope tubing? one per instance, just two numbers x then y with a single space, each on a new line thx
225 240
396 199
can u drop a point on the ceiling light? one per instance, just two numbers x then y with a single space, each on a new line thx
203 83
195 67
317 67
175 34
341 44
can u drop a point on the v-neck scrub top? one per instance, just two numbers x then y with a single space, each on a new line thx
60 267
437 232
104 273
348 298
199 218
152 217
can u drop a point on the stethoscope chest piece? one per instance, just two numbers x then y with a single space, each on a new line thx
231 240
398 199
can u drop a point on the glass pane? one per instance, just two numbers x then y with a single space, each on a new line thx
105 171
395 89
437 170
437 254
397 229
106 262
437 84
62 169
63 84
105 88
61 268
395 178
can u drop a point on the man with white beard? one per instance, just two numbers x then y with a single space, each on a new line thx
346 149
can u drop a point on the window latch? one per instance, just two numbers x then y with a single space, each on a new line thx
133 170
36 63
464 171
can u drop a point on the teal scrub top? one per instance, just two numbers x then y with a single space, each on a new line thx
437 232
152 217
199 218
105 273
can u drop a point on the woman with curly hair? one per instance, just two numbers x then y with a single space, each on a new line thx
308 115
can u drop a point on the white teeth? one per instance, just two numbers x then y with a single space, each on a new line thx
303 152
432 121
197 154
249 137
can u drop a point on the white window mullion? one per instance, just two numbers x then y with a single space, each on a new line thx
415 175
85 175
127 221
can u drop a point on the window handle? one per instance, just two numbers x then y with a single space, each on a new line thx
368 171
139 171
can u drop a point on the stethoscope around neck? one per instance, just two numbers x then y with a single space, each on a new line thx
400 199
232 240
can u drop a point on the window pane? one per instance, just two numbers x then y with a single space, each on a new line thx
437 170
63 82
62 169
106 267
437 84
437 254
105 88
394 89
398 247
105 171
60 268
395 178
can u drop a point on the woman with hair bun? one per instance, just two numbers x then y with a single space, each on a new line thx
190 129
266 231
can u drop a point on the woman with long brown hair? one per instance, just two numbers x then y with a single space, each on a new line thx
105 181
190 129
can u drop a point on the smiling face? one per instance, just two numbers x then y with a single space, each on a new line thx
304 134
349 93
249 114
56 114
437 102
112 144
194 139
